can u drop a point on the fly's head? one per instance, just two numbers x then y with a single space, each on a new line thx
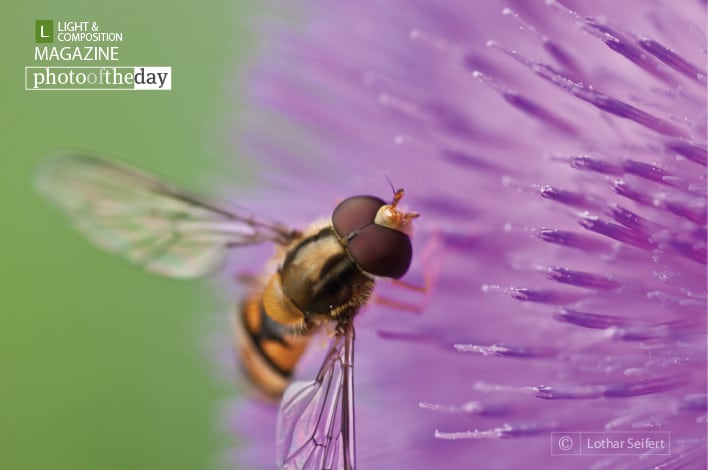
375 234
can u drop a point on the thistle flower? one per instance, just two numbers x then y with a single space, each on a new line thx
557 155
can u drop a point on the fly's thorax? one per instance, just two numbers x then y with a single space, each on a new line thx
319 277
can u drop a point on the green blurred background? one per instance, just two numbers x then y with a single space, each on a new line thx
104 366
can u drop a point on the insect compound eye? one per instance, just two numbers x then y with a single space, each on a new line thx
354 213
381 251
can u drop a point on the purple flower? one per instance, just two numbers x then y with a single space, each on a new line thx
557 155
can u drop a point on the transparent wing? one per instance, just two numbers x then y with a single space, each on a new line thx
150 222
316 419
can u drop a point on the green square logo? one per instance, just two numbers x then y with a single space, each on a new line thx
44 31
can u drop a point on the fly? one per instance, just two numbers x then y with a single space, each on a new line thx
324 275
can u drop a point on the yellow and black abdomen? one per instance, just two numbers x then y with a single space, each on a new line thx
268 350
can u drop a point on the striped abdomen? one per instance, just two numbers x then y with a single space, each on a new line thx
269 351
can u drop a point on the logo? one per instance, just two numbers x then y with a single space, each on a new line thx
78 54
44 31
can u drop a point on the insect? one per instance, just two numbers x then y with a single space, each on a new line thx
323 276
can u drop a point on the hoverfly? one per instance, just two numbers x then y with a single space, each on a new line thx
324 275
